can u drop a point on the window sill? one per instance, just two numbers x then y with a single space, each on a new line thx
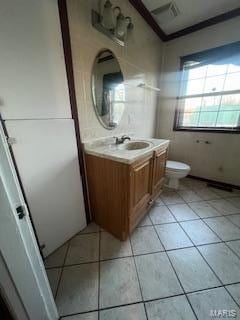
208 130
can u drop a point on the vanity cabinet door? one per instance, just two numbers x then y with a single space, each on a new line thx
140 189
159 166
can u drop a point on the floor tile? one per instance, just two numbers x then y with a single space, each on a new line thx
118 283
224 206
53 278
199 232
156 276
182 212
225 193
193 272
189 195
90 228
78 289
172 236
235 246
174 308
223 261
234 290
160 215
111 247
235 201
206 302
235 218
204 209
145 221
158 202
84 316
131 312
171 197
145 240
224 228
183 185
207 194
56 259
83 248
194 183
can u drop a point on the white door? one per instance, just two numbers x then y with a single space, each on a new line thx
18 244
47 159
33 78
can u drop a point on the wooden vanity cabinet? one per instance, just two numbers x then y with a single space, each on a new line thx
121 194
159 166
140 190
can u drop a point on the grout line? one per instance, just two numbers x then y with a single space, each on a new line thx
222 241
146 301
238 255
139 283
227 216
166 251
149 300
198 217
209 226
153 252
206 259
60 277
148 253
99 253
82 234
229 292
199 250
176 274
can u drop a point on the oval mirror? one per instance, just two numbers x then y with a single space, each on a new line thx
108 89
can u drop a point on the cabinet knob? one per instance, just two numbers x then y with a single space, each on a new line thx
150 202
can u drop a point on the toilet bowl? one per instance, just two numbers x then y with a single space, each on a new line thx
175 171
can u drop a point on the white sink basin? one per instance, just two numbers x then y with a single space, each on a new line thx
135 145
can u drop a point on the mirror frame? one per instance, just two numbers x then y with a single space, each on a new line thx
93 92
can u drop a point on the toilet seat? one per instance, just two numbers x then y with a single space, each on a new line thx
177 166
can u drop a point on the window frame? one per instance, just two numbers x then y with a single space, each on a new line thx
176 126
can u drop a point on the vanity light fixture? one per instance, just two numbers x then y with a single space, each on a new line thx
108 17
112 23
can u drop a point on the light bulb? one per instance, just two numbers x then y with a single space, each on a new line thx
108 20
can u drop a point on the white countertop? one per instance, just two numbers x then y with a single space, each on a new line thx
107 148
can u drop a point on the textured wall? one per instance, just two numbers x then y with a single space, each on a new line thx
219 160
140 61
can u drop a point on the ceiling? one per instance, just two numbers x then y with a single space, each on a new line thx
191 13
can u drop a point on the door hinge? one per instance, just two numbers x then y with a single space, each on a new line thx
20 212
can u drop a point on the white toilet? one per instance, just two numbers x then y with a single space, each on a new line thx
175 171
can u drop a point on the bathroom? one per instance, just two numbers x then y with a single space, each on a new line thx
133 204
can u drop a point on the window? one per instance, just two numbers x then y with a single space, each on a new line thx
210 91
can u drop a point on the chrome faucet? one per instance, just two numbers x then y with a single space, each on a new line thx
122 139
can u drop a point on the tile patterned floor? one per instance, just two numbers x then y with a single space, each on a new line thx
182 262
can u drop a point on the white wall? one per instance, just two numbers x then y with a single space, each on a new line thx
219 160
33 78
140 61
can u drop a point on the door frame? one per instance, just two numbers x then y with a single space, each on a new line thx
2 123
5 312
63 15
18 245
10 302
